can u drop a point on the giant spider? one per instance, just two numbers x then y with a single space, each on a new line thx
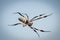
25 21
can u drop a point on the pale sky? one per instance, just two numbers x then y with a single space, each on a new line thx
32 8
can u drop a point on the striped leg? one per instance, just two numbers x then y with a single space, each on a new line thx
40 17
19 14
34 31
14 24
37 17
41 30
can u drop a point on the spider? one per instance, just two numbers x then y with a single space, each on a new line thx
25 21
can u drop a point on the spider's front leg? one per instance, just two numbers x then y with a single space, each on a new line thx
41 30
34 31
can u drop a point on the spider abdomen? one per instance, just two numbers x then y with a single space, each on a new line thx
22 20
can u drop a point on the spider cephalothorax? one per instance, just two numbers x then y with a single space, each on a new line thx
25 21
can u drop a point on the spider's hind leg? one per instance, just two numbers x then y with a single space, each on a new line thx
19 14
14 24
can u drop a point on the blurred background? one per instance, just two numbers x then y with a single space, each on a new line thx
32 8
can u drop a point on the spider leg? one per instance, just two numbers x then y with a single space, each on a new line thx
19 14
41 30
27 16
35 31
42 17
14 24
36 17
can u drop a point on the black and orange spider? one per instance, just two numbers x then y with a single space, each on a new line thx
25 21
